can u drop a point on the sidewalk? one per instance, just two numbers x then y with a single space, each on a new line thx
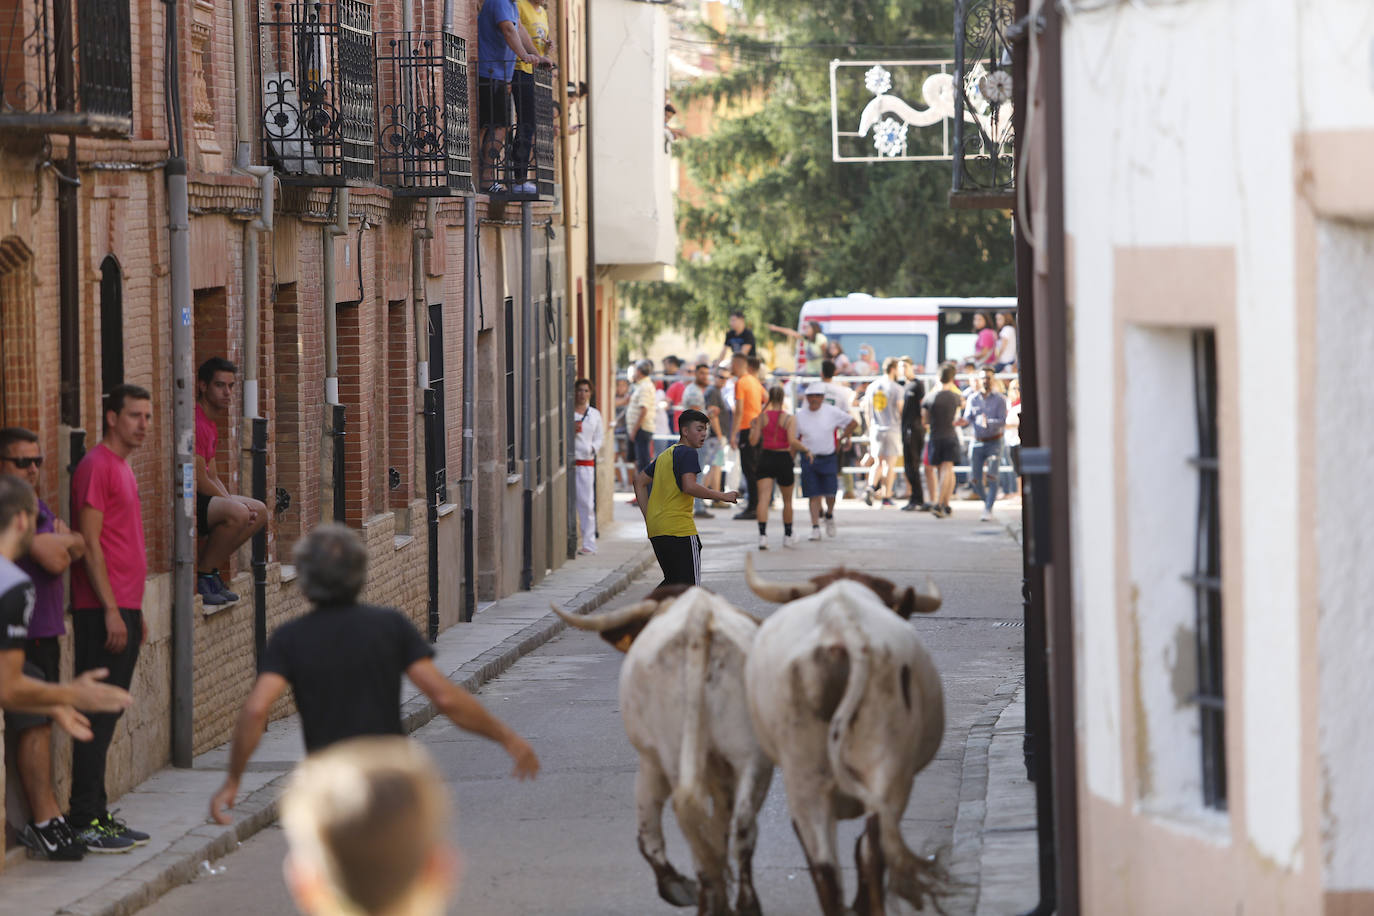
173 804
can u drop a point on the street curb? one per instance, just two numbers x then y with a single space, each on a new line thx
966 858
180 863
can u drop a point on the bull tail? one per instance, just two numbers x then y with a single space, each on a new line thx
691 793
848 780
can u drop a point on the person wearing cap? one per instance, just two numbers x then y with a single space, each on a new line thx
820 427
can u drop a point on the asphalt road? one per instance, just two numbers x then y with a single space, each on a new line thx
565 843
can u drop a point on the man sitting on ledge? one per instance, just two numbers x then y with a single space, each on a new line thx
224 520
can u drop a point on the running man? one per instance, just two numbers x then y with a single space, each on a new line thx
819 425
664 492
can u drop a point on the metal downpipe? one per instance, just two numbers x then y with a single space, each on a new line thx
470 255
527 351
433 422
336 414
183 444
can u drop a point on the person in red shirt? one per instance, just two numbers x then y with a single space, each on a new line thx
224 521
107 600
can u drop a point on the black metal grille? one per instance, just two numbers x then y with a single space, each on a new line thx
319 91
1206 577
983 149
425 140
543 131
93 93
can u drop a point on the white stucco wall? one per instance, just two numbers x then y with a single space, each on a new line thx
632 180
1179 131
1345 546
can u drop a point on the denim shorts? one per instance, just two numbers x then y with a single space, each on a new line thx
820 475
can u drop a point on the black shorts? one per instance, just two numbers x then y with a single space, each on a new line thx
679 558
944 450
493 102
42 662
775 464
203 513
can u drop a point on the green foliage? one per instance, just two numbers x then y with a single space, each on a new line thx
782 222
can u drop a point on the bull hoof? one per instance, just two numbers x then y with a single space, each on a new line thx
748 906
678 891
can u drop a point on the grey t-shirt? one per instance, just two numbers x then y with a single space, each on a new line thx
884 401
714 398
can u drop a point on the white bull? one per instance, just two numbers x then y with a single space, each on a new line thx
846 700
681 689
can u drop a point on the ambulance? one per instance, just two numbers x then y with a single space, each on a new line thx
929 330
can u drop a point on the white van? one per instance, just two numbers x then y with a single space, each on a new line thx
929 330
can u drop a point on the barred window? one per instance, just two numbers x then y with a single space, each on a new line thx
1206 576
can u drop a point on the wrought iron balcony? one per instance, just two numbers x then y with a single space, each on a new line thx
65 67
984 164
318 91
520 165
425 132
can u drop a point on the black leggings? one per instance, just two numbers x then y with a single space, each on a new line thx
912 445
679 558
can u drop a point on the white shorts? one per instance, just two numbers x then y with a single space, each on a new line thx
887 444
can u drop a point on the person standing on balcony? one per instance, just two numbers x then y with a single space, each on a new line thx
535 34
499 47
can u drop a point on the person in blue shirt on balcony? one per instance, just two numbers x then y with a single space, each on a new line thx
500 43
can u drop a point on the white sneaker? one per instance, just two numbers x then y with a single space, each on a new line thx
763 542
830 527
987 516
789 540
815 533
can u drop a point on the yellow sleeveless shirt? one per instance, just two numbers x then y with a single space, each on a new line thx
670 510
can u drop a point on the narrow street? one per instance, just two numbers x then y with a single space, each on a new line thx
565 843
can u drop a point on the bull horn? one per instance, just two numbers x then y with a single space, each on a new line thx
600 623
928 601
777 592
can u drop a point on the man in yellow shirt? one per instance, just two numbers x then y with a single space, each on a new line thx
665 491
534 26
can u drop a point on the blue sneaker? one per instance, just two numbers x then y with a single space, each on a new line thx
223 589
207 586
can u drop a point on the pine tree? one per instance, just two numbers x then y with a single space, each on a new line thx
783 223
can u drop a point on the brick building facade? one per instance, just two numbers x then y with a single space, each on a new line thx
85 301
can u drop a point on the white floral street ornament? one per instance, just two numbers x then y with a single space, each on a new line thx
878 80
889 137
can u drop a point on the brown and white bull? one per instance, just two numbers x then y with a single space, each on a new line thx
846 700
681 698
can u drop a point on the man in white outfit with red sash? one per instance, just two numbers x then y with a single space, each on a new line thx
590 430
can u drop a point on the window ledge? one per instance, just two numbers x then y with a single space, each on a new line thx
513 478
210 610
447 509
288 573
401 541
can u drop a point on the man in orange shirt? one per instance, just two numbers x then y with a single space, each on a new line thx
749 401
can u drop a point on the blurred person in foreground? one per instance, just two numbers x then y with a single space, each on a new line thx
343 662
367 825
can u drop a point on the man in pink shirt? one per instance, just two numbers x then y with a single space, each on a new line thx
107 600
224 521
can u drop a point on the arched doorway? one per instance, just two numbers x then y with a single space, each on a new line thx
111 324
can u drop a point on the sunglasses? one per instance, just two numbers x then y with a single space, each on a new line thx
24 462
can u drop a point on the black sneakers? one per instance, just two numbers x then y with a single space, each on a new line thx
109 834
55 841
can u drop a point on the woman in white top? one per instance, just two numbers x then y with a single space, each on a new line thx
1006 342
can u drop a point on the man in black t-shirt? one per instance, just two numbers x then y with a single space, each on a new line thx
344 661
738 339
913 435
940 410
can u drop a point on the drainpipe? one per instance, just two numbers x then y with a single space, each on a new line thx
433 422
570 284
470 255
1060 606
593 367
331 349
251 410
183 417
527 395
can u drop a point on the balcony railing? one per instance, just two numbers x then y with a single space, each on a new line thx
65 67
521 165
425 132
318 91
984 164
